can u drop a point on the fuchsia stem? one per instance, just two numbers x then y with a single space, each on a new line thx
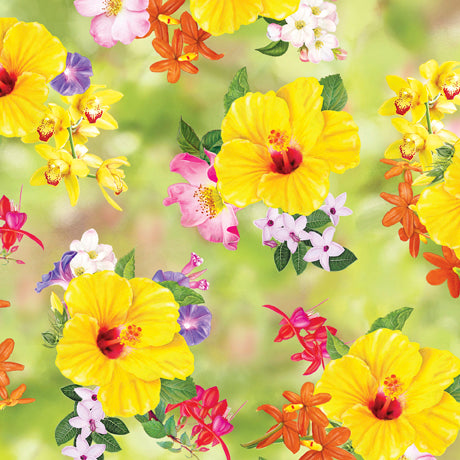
23 232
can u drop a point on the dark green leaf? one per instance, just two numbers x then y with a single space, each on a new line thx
176 391
297 259
339 262
187 139
160 411
126 266
317 219
170 427
101 457
51 340
111 444
271 21
211 141
165 444
454 389
142 418
70 393
154 429
274 48
282 256
394 320
239 86
183 295
335 347
334 93
115 425
65 432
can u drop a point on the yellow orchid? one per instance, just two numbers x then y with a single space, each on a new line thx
444 78
54 122
109 175
390 393
411 95
440 107
93 106
81 152
82 130
56 303
61 165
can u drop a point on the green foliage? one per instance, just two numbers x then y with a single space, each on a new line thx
115 426
442 159
335 347
239 86
126 266
282 22
64 431
51 339
111 444
340 262
154 429
282 256
160 411
297 259
454 389
165 444
211 141
334 93
170 427
394 320
317 219
274 48
182 294
175 391
69 391
188 141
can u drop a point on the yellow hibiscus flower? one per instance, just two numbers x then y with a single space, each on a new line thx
390 393
122 336
280 148
226 16
444 78
29 58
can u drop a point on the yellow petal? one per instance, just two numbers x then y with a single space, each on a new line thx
388 107
303 97
108 97
73 188
279 9
428 69
47 152
126 395
437 428
38 177
350 382
106 122
78 168
5 24
301 191
388 352
240 167
78 356
109 199
254 116
339 143
452 176
56 303
104 296
418 112
402 125
154 310
393 150
29 47
396 83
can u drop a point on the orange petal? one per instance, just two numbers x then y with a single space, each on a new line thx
393 216
393 199
4 303
6 348
436 277
453 283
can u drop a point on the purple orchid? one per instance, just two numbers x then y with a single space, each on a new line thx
83 450
61 274
292 231
323 248
195 323
268 224
334 207
76 77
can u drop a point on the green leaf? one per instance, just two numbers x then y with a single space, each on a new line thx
454 389
170 427
69 391
142 418
394 320
126 265
51 340
211 141
101 457
111 444
115 425
160 411
274 48
239 86
154 429
187 139
282 256
297 258
64 431
334 93
175 391
317 219
184 439
339 262
270 21
165 444
335 347
183 295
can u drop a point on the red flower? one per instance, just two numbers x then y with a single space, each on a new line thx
174 61
156 8
194 38
446 270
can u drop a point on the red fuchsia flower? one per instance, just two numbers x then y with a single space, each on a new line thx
449 270
200 202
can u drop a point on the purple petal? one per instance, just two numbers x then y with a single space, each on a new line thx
60 275
178 277
195 323
76 77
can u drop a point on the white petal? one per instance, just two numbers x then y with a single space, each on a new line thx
324 261
335 250
313 254
90 240
316 239
328 234
340 200
292 245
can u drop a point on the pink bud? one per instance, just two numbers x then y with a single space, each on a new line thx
195 261
274 32
340 54
304 54
271 243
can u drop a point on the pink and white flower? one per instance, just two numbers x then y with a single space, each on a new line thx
299 28
200 202
115 20
324 12
321 49
412 453
292 231
269 224
323 248
88 397
83 450
334 207
89 420
274 32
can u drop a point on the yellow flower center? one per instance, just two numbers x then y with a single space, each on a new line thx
46 129
168 20
79 271
404 101
451 85
93 110
293 407
209 200
392 387
410 145
316 10
53 174
187 57
318 44
92 254
299 25
131 335
112 7
317 32
278 140
312 445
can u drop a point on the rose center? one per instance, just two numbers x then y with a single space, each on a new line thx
6 82
326 248
404 101
92 425
209 201
108 341
299 25
270 223
112 7
451 86
294 237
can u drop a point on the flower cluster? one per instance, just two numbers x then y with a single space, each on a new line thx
309 329
11 231
311 30
433 152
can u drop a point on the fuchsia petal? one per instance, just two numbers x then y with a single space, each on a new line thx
191 168
189 206
90 7
130 24
136 5
15 219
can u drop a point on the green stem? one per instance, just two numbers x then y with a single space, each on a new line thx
72 147
92 175
428 119
254 443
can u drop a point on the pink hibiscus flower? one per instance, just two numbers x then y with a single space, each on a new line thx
115 20
200 202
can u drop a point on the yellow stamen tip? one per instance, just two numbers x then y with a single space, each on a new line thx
293 407
187 57
168 20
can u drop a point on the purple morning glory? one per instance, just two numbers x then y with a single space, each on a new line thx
180 278
195 323
76 77
60 275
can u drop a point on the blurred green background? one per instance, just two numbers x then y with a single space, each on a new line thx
240 357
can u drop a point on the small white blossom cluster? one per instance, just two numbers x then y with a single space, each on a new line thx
311 29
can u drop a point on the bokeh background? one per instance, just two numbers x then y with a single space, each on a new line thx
240 357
